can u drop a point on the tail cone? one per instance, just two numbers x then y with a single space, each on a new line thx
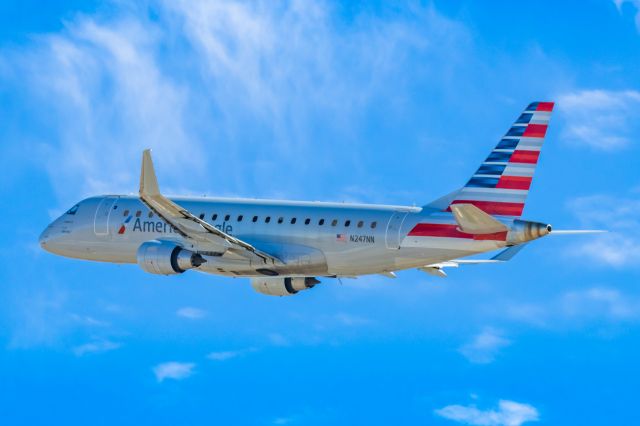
523 231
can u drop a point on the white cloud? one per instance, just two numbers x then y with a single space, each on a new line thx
191 313
635 4
278 339
599 305
600 119
206 82
508 413
484 347
97 346
226 355
600 302
173 370
351 320
620 247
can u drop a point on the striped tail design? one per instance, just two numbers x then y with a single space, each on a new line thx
501 184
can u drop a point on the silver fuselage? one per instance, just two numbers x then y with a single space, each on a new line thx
325 239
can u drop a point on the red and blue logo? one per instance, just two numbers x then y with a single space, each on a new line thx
123 227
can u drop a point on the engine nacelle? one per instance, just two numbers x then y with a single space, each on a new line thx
166 258
522 231
282 286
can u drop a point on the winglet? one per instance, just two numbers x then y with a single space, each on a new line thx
148 180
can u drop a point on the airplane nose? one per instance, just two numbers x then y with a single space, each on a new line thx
50 239
44 238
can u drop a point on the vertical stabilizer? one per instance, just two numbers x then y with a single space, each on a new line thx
501 183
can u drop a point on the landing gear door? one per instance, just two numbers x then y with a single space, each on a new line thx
103 213
393 237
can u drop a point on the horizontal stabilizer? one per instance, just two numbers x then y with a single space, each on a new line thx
472 220
508 253
437 269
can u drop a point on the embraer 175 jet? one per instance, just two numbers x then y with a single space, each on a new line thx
283 246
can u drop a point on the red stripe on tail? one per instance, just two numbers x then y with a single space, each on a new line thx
545 106
494 207
521 156
535 131
514 182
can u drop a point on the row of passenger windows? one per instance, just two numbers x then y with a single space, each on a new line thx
267 219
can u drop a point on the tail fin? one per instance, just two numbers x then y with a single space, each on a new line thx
501 184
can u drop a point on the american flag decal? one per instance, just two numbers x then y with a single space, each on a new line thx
341 238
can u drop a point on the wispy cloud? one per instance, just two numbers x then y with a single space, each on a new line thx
191 313
620 247
600 305
600 302
226 355
633 4
201 81
508 413
351 320
277 339
173 370
97 346
600 119
484 347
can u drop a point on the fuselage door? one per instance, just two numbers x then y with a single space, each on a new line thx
103 212
393 237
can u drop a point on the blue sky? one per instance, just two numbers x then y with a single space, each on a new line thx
374 102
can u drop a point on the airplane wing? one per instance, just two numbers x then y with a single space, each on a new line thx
190 226
437 269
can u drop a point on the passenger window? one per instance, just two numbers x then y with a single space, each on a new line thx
255 219
240 218
280 219
321 222
360 223
334 222
347 223
307 221
201 216
373 225
150 214
267 219
215 216
227 217
293 220
125 213
138 213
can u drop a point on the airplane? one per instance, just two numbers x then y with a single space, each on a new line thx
283 247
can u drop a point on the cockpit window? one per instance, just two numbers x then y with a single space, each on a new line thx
73 209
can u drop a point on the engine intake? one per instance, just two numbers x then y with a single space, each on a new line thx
166 258
282 286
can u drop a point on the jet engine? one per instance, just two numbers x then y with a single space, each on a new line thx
279 286
522 231
166 258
